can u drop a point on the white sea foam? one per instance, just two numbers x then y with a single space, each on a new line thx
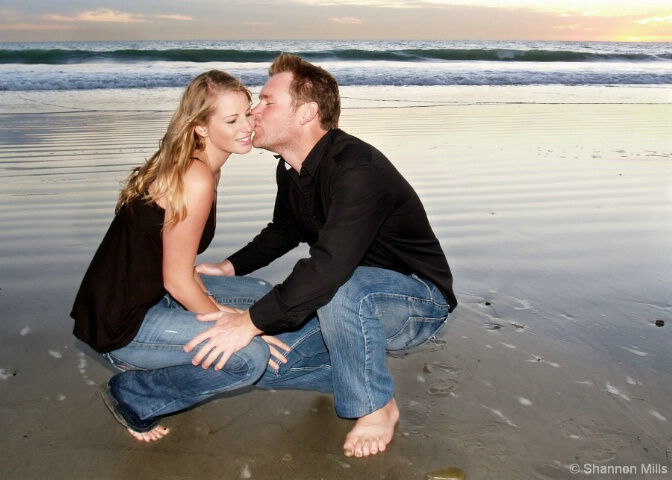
615 391
143 65
658 415
637 352
501 416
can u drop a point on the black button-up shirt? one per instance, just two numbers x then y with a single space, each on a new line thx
352 206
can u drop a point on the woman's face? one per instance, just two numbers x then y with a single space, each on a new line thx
230 126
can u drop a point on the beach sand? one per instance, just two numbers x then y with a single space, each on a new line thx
554 208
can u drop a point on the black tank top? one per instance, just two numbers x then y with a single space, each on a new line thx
125 279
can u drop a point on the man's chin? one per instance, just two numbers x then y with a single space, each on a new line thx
258 143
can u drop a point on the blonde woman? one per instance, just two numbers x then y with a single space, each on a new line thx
140 295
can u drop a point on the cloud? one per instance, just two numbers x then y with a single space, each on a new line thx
367 3
656 21
104 15
348 20
185 18
574 26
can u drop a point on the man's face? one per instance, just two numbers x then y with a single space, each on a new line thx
275 119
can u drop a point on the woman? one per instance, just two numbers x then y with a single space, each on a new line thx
138 300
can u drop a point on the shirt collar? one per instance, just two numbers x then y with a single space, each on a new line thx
313 159
318 152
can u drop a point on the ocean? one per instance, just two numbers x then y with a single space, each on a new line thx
160 64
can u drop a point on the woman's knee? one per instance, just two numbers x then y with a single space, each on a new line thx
253 359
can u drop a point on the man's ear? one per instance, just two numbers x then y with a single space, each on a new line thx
309 112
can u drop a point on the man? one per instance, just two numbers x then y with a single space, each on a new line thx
376 276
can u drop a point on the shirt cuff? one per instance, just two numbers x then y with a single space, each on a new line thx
268 315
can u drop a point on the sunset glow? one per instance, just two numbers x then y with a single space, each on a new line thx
571 20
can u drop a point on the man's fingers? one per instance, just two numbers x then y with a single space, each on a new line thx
275 353
222 360
198 358
273 364
194 342
271 340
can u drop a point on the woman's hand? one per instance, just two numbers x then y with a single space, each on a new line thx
224 268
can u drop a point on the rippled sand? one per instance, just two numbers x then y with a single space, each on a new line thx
553 204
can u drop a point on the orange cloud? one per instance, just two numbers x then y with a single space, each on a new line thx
104 15
656 21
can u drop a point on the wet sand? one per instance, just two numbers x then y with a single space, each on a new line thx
554 207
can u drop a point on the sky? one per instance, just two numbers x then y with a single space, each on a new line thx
570 20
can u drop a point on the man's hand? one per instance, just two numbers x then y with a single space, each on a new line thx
224 268
274 344
230 333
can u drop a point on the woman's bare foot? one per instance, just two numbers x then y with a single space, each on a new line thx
373 432
157 433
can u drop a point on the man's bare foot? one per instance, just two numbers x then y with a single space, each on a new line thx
157 433
373 432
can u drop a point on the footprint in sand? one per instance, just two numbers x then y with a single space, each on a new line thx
442 389
595 442
432 367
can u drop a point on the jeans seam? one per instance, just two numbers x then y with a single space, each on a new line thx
427 287
367 360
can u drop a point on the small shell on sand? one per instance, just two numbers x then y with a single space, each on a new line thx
450 473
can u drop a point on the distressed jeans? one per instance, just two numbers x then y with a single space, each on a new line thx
341 351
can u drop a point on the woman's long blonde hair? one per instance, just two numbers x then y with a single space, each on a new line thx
167 167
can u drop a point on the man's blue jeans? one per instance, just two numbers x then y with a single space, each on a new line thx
341 351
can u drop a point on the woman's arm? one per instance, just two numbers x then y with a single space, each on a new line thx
180 242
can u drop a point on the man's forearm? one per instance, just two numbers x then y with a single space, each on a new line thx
266 247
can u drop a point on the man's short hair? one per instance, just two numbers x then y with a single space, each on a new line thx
311 83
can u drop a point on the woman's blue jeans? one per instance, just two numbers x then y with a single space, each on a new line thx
341 351
158 377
